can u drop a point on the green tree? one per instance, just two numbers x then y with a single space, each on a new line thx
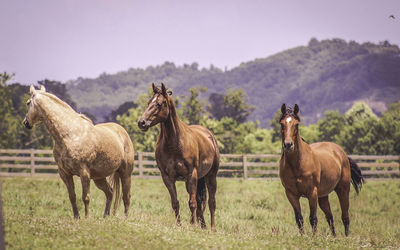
236 107
358 112
358 135
388 131
309 133
5 77
276 126
192 107
330 126
233 104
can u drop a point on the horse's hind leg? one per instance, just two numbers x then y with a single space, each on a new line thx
324 205
201 199
126 191
85 180
342 191
103 185
69 182
211 182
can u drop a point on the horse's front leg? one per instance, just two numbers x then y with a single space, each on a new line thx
191 187
313 201
294 201
85 180
170 184
69 182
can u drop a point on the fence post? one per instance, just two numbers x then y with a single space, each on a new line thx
140 164
244 166
32 161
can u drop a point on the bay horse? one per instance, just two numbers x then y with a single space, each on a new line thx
188 153
313 171
86 150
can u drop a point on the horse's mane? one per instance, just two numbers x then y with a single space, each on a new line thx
64 104
86 118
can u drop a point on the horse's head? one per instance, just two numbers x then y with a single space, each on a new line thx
290 127
32 116
158 108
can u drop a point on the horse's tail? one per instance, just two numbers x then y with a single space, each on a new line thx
115 182
201 195
356 176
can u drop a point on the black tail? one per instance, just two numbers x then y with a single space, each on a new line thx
356 176
201 195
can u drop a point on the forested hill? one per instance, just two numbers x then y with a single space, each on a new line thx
324 75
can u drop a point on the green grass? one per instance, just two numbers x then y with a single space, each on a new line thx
250 214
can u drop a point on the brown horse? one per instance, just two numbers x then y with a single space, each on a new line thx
313 171
84 149
183 152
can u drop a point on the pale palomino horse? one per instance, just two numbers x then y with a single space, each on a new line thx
85 150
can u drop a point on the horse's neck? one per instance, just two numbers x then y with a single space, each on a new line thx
301 149
63 123
172 132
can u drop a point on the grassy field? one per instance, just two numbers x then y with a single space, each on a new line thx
250 214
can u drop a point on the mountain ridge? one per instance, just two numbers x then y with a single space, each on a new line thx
323 75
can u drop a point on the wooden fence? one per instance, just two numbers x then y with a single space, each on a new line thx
34 162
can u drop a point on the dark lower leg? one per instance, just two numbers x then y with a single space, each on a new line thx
170 184
211 183
126 192
343 195
313 220
299 221
326 208
346 223
200 216
103 185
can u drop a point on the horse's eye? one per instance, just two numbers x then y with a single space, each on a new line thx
158 104
28 102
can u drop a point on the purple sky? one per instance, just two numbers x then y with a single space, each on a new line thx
64 39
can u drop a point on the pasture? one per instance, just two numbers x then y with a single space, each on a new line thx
250 214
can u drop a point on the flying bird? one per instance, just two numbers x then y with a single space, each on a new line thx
392 16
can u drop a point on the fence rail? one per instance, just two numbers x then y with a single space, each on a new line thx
37 162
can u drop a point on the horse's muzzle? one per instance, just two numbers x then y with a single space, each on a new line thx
26 123
144 125
288 146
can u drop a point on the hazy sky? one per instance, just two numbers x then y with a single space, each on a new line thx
64 39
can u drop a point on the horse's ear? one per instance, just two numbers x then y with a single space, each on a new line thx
296 109
163 90
155 89
32 90
283 108
42 88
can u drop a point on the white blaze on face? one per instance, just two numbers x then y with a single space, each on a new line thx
288 119
154 99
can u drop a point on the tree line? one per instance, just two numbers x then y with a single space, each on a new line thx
358 130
